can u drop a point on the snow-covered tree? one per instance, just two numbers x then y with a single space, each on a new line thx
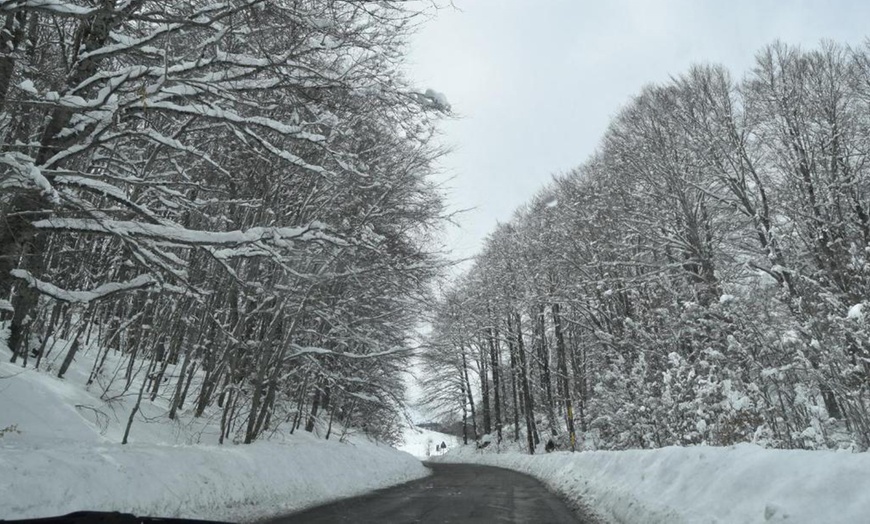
237 187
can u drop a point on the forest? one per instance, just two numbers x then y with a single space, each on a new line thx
234 204
702 278
238 192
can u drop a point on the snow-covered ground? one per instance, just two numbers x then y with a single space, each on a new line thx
424 443
60 452
738 484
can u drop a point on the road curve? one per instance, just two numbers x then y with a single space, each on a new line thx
453 493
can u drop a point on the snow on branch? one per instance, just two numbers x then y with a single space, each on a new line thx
311 350
203 110
432 99
53 7
108 190
365 397
180 235
126 44
20 171
83 297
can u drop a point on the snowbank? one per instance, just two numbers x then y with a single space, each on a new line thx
60 452
211 482
739 484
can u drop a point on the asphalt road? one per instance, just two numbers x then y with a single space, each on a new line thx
453 493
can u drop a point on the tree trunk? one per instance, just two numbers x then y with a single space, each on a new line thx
176 398
484 390
543 355
531 430
468 390
190 373
10 38
258 386
71 354
564 383
464 413
138 401
494 366
315 406
514 375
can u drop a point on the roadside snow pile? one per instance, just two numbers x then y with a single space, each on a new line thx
739 484
60 452
211 482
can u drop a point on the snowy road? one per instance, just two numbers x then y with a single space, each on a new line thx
453 493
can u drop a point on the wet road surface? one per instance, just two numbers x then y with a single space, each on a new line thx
453 493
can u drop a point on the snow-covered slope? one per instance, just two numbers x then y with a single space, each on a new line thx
739 484
60 452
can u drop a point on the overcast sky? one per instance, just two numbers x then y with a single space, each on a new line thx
535 82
